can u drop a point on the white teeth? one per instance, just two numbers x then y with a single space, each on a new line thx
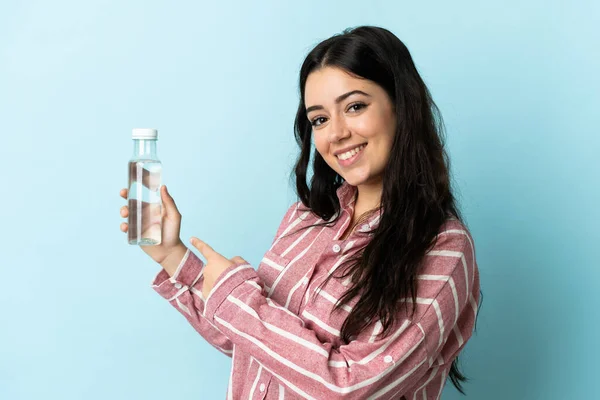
348 154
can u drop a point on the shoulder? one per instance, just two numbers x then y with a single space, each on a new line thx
453 240
449 269
296 216
295 210
301 212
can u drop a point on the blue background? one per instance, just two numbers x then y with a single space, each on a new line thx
517 84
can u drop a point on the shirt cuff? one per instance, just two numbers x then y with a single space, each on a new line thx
188 272
226 283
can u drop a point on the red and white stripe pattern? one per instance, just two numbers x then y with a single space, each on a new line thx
284 338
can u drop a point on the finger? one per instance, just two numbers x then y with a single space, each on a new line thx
123 193
124 227
205 249
124 211
170 206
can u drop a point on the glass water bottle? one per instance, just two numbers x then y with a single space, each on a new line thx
145 206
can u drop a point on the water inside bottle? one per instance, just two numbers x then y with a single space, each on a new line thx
145 206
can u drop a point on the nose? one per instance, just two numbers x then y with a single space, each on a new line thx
338 130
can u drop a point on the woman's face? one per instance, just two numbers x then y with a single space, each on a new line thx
362 123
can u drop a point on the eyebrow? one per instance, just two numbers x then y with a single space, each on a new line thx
338 100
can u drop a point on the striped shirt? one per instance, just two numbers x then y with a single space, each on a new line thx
284 339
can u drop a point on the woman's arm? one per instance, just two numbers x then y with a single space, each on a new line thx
183 291
180 282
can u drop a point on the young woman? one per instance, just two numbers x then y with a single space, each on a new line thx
370 288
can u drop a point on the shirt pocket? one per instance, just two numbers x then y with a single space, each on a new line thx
270 267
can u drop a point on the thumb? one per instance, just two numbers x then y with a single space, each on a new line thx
170 206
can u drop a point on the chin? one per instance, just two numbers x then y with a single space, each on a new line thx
355 180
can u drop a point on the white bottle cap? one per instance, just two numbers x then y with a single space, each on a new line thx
144 133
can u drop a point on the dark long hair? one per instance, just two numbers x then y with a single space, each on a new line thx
417 197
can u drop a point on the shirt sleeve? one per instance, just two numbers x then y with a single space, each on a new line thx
184 291
387 367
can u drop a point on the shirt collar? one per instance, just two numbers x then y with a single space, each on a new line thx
346 194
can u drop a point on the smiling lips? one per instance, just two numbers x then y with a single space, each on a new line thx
349 157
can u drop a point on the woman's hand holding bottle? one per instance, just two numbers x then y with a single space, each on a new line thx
171 250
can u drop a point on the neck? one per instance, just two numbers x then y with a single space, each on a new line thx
369 196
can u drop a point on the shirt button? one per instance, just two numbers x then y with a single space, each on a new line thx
388 359
178 285
336 248
262 387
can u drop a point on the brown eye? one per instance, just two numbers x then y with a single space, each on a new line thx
356 107
359 105
314 121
